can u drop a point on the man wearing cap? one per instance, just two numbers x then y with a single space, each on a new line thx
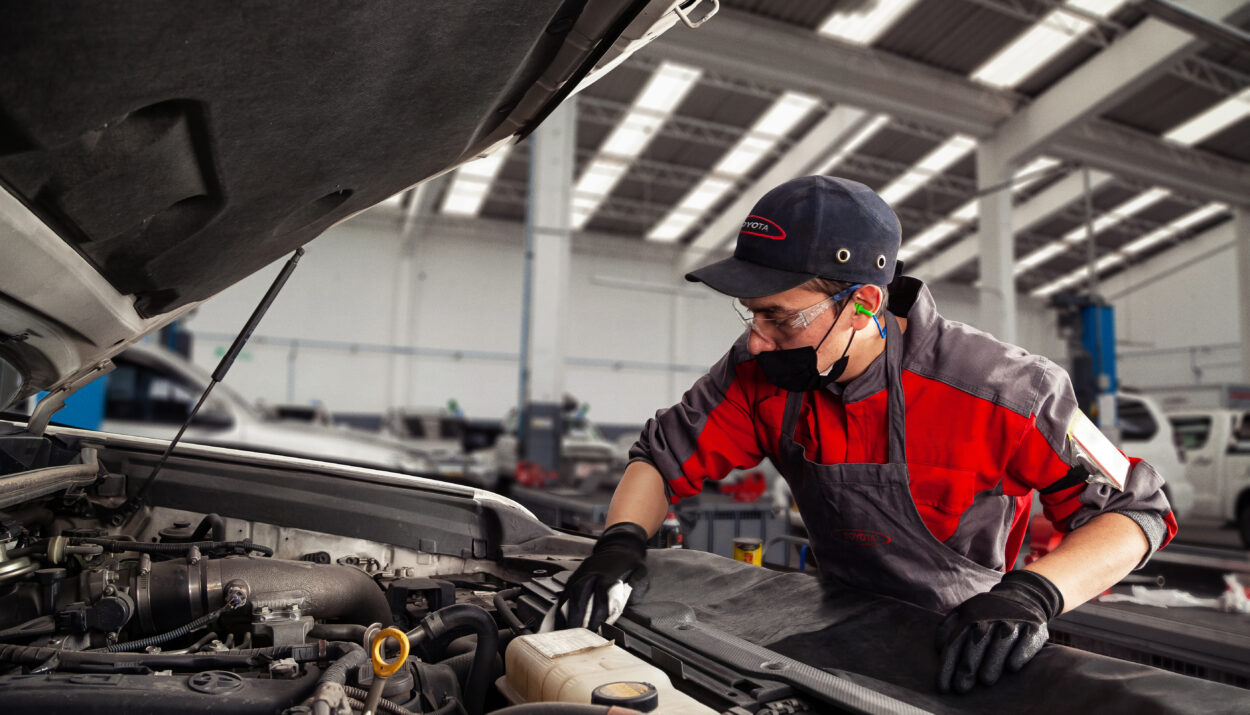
912 444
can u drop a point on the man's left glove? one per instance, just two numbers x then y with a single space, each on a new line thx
619 556
1004 627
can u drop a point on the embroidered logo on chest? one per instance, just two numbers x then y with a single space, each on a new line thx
859 537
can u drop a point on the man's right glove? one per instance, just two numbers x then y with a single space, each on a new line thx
618 556
1004 627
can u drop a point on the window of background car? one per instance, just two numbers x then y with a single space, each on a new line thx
137 393
10 382
1240 444
1136 422
1193 431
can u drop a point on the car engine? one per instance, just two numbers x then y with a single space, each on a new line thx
207 610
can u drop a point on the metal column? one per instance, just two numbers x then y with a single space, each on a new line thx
547 258
998 284
1241 241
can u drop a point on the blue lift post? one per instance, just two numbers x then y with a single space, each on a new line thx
1098 339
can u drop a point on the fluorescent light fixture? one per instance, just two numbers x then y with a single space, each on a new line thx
1212 121
1048 37
787 111
866 22
1099 224
472 182
665 89
1129 250
933 163
849 146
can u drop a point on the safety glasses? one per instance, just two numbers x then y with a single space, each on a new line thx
790 324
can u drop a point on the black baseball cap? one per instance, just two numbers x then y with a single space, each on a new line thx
810 227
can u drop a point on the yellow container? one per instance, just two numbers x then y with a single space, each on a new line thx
749 550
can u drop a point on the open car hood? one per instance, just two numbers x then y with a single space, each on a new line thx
153 154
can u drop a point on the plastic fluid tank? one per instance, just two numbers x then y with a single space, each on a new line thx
566 666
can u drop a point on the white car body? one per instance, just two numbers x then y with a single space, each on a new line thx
1217 442
228 420
1146 433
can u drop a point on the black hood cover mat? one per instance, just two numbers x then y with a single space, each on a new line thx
180 147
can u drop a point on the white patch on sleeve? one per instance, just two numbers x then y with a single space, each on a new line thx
1106 464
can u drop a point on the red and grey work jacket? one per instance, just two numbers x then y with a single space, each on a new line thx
986 427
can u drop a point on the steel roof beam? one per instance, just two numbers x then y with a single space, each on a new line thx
774 54
1141 55
802 158
1047 203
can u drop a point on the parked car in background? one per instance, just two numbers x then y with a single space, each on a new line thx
587 459
313 414
152 390
1145 432
1217 444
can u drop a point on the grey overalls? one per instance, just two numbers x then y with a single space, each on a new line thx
862 521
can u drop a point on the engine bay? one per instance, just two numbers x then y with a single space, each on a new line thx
203 612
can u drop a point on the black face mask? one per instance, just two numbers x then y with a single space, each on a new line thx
796 369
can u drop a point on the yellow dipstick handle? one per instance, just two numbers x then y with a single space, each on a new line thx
381 667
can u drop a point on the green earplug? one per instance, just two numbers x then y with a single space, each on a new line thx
859 308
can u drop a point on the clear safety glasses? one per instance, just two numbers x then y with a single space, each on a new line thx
791 324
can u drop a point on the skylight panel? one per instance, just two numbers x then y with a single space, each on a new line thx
472 182
865 23
1212 121
1189 220
967 212
1098 225
1041 43
665 89
848 147
786 112
1033 172
933 163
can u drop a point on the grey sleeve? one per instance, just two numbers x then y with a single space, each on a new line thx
706 435
1142 501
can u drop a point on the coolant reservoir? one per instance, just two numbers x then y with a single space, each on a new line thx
567 666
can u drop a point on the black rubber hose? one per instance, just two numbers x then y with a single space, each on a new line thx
115 546
41 626
350 660
93 660
361 695
445 621
167 636
350 632
502 608
210 522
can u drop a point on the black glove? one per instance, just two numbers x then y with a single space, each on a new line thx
618 556
1005 626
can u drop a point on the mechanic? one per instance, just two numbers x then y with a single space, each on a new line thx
912 444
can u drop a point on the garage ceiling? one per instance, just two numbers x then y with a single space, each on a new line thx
676 144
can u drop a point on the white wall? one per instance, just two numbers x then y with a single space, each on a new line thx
1176 315
638 333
